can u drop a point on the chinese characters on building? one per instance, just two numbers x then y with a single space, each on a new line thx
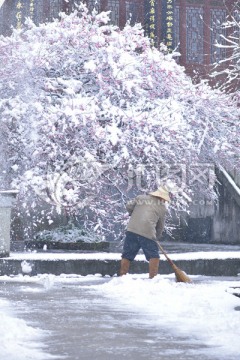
19 16
31 9
156 17
167 23
151 20
24 9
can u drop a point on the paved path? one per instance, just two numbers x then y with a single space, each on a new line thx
84 326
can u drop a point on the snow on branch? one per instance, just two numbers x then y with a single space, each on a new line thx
93 115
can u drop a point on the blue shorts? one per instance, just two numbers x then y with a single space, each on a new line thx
134 242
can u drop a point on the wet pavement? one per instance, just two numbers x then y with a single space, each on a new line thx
84 325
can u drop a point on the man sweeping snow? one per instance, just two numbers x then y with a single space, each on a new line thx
145 226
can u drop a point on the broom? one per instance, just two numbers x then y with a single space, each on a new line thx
179 274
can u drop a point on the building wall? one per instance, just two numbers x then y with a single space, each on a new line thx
195 27
194 23
14 12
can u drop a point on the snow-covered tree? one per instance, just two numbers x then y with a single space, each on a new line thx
91 114
229 40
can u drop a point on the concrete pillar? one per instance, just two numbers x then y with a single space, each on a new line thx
7 199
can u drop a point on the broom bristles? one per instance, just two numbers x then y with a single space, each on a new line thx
180 275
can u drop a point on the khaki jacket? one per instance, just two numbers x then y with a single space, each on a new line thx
147 216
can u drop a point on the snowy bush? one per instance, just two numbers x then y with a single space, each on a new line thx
67 233
87 110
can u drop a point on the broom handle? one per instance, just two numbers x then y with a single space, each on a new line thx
168 259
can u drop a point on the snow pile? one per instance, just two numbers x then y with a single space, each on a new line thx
26 267
19 340
202 312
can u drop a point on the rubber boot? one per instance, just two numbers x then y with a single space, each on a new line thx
125 263
153 267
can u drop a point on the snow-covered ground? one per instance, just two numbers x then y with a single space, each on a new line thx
204 312
34 255
18 340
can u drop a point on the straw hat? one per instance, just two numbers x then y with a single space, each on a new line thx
161 193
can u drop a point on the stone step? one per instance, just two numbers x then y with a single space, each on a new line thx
208 267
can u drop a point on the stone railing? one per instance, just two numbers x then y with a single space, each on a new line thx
232 181
235 174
